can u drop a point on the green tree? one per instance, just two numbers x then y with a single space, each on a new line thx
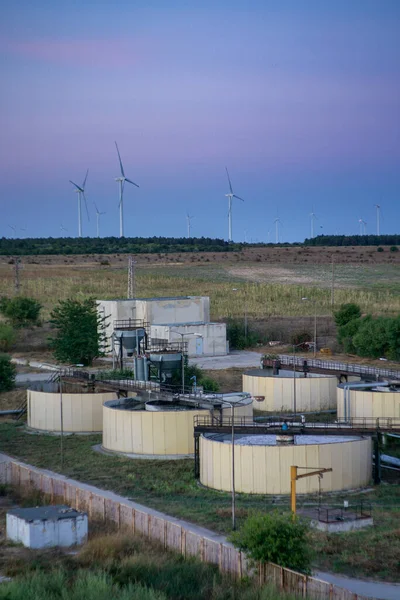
80 331
7 337
346 334
7 373
235 333
21 311
346 313
275 537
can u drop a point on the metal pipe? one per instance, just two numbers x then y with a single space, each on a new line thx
349 386
16 411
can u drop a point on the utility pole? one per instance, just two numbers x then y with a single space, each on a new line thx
131 278
333 283
17 266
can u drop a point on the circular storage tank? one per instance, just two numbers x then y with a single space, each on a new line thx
373 403
263 467
150 427
313 393
82 410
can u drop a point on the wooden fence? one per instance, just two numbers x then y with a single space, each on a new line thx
157 527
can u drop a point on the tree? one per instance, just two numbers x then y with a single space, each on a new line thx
346 335
346 313
7 337
275 537
80 331
21 311
7 373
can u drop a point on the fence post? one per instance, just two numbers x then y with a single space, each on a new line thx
331 591
104 509
90 505
202 549
183 542
305 586
148 525
239 564
133 520
220 557
51 490
165 534
282 583
119 515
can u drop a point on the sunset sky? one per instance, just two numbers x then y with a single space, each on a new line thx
300 99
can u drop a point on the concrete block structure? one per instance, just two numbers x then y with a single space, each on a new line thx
211 342
82 411
47 526
313 393
263 467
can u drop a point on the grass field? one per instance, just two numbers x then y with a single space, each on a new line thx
267 291
169 486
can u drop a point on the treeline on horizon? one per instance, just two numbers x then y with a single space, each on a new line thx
354 240
163 245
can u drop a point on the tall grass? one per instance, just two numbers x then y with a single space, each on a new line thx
262 299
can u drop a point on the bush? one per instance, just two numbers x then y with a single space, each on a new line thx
346 334
116 374
7 373
380 249
20 311
394 249
235 333
346 313
7 337
275 537
80 331
298 338
208 383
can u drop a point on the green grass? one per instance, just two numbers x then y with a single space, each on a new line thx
169 486
111 567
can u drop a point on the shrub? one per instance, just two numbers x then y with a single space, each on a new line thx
236 335
21 311
208 383
346 313
7 337
7 373
80 331
275 537
300 337
394 249
380 249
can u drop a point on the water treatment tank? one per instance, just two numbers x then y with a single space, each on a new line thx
130 339
165 364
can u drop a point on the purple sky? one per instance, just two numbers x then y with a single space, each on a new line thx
299 98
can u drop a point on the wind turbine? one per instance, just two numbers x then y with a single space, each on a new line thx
188 220
62 228
313 216
121 180
80 190
378 211
14 228
98 213
277 223
230 197
362 226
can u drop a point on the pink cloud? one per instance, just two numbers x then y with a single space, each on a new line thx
87 53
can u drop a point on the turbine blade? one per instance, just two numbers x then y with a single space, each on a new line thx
132 182
84 181
229 179
120 161
95 206
77 186
238 197
87 212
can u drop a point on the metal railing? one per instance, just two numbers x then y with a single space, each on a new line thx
363 510
331 365
130 324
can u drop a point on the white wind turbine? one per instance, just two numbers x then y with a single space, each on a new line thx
188 221
277 223
80 190
378 215
121 180
313 216
14 228
62 228
230 197
363 226
98 213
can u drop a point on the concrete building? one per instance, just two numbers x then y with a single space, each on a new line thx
210 342
47 526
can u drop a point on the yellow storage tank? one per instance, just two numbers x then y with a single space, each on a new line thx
368 403
82 410
263 467
313 393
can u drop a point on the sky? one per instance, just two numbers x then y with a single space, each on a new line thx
299 99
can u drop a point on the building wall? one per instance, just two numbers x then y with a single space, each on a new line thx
48 533
266 469
312 393
213 337
367 403
148 432
154 311
81 412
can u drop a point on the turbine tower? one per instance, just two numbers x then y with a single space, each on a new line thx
277 223
80 190
188 221
230 197
313 216
98 213
363 225
121 180
378 215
